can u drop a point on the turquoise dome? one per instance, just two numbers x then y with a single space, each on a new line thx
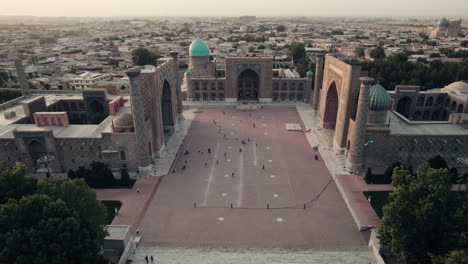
444 22
188 73
199 48
310 74
379 98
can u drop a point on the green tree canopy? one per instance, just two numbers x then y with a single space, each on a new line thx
359 51
142 56
423 217
280 28
50 221
378 53
297 50
14 183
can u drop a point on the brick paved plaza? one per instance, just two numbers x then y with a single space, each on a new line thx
291 178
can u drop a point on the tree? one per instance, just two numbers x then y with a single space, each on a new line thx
359 51
142 56
303 66
297 50
280 28
378 53
438 162
14 183
389 170
50 221
251 49
464 43
3 78
71 174
422 216
78 196
100 175
337 32
454 257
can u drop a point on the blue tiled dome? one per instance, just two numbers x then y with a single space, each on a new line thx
379 98
199 48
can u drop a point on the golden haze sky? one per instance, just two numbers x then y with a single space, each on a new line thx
417 8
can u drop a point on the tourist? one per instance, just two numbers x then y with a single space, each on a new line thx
138 231
216 162
206 164
232 174
146 258
263 167
152 260
316 157
138 190
209 150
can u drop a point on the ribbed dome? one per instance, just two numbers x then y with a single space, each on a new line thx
188 73
379 98
124 120
459 86
444 22
310 74
199 48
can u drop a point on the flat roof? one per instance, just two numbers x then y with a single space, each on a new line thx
400 126
117 232
7 126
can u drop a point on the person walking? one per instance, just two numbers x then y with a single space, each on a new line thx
146 258
152 260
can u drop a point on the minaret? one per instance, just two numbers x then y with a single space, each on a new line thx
22 77
358 141
138 112
178 84
318 81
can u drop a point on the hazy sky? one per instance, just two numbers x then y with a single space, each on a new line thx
417 8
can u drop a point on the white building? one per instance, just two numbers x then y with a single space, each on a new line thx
88 79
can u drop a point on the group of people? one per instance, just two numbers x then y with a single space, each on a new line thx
225 137
151 258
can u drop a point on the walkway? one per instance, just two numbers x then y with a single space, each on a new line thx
245 255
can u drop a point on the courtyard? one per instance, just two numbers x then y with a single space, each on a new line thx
267 180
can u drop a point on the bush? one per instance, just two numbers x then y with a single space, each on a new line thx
438 162
389 171
71 174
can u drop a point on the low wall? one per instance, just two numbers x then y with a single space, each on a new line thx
374 244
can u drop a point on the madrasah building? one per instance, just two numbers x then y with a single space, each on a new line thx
370 126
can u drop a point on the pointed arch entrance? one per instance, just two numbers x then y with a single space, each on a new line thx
248 84
166 110
36 151
331 107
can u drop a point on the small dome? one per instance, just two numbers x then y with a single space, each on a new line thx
461 87
188 73
199 48
310 74
124 120
444 22
379 98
